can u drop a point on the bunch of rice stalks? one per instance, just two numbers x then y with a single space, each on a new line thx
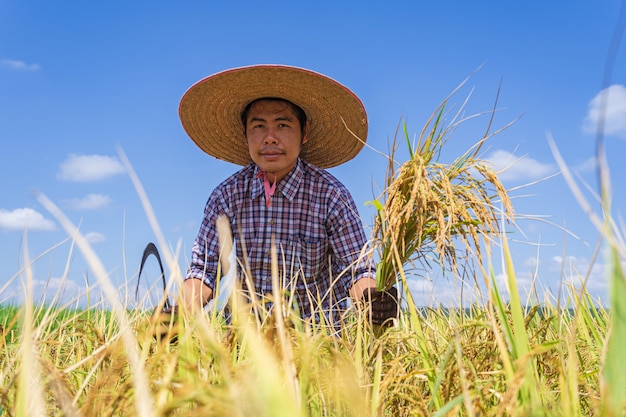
428 206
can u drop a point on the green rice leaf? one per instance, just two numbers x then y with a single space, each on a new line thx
614 371
449 406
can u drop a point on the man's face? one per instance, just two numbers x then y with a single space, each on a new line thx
274 137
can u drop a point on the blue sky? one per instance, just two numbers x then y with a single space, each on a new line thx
81 80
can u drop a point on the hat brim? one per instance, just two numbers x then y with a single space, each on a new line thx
210 112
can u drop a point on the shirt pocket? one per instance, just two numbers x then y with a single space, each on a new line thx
310 255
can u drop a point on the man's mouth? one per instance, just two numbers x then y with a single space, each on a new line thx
270 154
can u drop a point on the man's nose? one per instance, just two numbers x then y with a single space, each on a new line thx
270 136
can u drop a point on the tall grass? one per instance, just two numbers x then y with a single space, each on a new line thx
613 376
474 365
476 361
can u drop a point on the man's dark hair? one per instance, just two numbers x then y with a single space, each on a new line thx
297 110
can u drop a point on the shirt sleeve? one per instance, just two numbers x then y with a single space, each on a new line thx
205 249
348 241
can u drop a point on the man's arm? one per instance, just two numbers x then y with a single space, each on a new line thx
349 244
195 294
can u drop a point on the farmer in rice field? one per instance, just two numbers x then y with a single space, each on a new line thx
284 126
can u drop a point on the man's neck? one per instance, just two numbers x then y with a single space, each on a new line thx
273 178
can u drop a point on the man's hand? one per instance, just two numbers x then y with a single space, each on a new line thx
382 304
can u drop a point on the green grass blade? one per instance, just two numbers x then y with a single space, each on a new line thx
449 406
520 342
614 371
376 383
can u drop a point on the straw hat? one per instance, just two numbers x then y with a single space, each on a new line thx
210 112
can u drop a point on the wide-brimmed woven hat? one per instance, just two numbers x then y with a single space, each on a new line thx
210 112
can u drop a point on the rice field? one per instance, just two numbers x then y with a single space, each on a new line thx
499 357
496 359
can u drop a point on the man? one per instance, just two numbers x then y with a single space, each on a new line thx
284 125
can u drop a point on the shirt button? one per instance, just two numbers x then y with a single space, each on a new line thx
271 221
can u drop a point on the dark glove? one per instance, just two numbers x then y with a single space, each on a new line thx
164 324
382 304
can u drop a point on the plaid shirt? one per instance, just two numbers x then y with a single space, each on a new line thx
318 235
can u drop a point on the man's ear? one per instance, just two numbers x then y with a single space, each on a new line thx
305 135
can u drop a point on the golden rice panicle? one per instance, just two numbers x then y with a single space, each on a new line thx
428 206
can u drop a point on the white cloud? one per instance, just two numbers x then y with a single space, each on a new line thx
513 168
58 290
85 168
589 165
443 291
576 270
560 260
60 284
24 218
609 104
18 65
90 202
95 237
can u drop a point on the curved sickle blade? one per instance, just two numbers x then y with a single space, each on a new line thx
151 249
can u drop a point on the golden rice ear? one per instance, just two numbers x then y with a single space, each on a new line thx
431 208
